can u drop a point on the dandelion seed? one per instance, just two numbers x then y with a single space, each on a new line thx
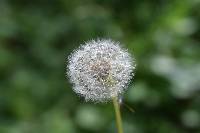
100 70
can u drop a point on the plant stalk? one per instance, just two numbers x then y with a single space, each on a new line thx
118 115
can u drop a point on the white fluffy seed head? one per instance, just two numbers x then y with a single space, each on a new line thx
100 70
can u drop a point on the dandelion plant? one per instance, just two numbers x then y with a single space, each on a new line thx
100 71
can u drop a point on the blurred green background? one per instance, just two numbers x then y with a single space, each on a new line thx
36 36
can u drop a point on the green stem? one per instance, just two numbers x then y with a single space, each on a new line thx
118 115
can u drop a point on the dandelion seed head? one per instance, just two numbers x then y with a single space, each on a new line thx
100 70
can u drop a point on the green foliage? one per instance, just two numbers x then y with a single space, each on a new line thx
36 37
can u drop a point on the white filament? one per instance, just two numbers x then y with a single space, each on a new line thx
100 70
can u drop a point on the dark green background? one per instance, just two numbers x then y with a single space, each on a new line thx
37 35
